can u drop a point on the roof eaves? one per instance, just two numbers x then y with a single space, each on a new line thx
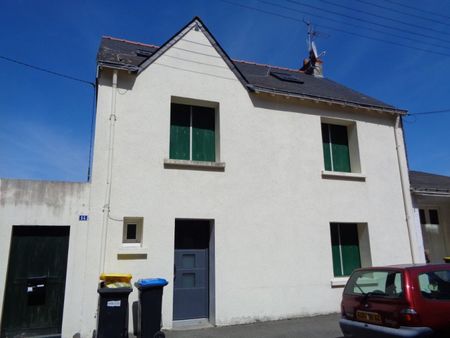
258 89
431 192
119 66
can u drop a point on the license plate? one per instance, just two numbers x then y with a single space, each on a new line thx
368 317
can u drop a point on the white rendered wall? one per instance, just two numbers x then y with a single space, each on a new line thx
24 202
271 206
442 204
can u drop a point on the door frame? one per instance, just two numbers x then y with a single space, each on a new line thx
19 227
211 274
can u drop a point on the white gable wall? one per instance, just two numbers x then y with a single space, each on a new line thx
271 206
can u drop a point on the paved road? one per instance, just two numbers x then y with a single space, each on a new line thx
311 327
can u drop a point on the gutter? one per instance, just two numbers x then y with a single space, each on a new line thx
257 90
118 66
431 192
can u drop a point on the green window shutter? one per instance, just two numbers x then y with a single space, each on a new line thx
339 148
180 116
326 146
350 248
335 249
203 134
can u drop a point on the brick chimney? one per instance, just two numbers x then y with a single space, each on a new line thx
312 65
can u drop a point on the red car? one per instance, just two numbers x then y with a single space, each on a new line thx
397 301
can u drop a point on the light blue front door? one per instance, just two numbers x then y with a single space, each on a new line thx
191 284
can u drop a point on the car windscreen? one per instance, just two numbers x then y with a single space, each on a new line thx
435 284
375 283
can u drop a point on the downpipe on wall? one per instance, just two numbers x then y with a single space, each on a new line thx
416 256
107 202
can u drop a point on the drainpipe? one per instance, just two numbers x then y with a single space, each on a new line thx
107 204
417 257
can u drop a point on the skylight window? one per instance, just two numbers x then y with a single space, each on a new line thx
143 52
286 77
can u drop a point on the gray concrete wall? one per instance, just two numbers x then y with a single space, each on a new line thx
25 202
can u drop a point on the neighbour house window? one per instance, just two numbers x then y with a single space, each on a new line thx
345 245
192 133
132 230
434 235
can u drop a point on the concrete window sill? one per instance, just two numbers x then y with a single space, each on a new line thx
339 282
343 176
194 165
132 250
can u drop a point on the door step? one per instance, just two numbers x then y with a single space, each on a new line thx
191 324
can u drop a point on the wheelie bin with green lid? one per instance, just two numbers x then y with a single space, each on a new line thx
112 314
149 308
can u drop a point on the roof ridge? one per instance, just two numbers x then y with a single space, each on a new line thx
267 65
129 41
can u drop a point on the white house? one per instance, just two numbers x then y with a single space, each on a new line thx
431 201
253 189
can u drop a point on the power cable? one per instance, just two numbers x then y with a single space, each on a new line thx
398 3
366 20
442 111
333 28
402 12
69 77
383 17
349 24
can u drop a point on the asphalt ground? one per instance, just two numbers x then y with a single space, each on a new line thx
325 326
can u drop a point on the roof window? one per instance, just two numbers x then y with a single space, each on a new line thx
286 77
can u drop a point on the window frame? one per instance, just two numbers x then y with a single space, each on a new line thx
363 247
139 222
354 162
192 104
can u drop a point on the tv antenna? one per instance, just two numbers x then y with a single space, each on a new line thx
312 35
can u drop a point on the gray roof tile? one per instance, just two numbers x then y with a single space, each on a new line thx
130 55
421 181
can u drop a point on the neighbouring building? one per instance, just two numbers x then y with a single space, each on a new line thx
254 190
431 201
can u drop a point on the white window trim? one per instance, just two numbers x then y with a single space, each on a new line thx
199 103
353 148
339 281
139 221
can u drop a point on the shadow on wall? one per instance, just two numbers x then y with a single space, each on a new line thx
125 80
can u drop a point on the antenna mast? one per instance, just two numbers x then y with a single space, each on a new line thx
313 64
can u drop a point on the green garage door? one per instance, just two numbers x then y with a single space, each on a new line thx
34 293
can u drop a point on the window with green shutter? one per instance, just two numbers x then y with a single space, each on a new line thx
192 133
345 248
335 147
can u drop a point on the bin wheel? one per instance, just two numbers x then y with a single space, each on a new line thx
159 334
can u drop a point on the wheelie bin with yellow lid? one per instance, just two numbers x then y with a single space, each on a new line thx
112 313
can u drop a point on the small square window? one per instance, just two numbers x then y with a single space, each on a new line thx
132 230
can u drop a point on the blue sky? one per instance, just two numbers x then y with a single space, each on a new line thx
46 120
